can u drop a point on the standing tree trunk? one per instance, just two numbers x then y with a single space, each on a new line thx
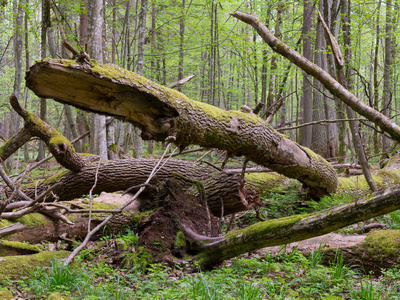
375 73
387 96
43 54
331 13
150 144
319 140
181 44
306 100
273 81
137 140
18 47
96 52
27 65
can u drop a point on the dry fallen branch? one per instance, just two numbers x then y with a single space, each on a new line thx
11 229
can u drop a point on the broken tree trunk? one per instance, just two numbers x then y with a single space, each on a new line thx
164 113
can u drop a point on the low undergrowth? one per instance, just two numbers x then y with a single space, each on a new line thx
284 276
116 267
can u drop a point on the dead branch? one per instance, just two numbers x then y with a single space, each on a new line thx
327 80
58 145
321 122
181 82
11 229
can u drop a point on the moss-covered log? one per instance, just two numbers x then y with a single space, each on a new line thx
380 250
162 112
18 266
295 228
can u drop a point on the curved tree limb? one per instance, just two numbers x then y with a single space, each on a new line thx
59 146
327 80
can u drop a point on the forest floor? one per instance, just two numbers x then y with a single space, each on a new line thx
118 267
330 240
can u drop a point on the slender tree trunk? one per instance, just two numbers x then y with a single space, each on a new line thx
111 147
319 142
27 65
138 142
150 144
387 72
96 52
332 14
113 31
181 44
377 142
306 100
43 54
274 67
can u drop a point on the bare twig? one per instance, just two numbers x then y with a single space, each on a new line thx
189 151
11 185
136 187
321 122
11 229
44 194
18 214
201 157
90 195
248 170
181 82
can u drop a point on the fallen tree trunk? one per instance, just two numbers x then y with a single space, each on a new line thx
291 229
224 195
164 113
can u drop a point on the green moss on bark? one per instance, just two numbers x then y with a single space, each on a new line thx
14 267
5 246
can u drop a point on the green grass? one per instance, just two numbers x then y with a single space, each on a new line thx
288 275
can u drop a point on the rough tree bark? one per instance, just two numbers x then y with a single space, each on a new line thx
163 113
212 250
226 193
